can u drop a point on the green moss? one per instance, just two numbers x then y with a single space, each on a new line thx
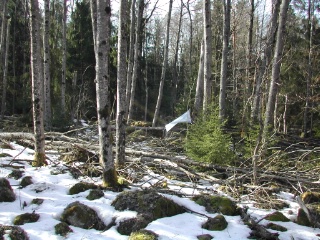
277 217
310 197
217 223
37 201
4 155
215 204
302 218
62 229
95 194
276 227
39 159
143 235
110 178
26 218
81 187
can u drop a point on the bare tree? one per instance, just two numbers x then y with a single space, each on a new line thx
37 91
199 88
121 84
164 69
64 59
130 55
5 70
207 54
46 66
275 78
137 54
224 63
102 41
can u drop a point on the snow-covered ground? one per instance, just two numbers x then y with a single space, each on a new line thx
54 190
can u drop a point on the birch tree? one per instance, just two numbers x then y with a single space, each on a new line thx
199 88
224 60
102 41
137 55
275 78
164 69
37 91
46 66
121 84
207 54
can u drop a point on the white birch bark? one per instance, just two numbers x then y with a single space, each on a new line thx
164 68
275 78
121 84
224 60
137 54
207 54
199 88
36 76
102 84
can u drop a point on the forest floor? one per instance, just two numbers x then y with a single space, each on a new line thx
153 161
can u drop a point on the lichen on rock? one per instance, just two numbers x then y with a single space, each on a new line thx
15 232
81 187
218 223
143 235
26 218
277 217
62 229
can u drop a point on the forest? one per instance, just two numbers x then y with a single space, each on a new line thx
87 87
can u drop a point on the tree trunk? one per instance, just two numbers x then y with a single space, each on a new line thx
275 78
224 60
5 71
164 68
37 93
306 119
175 70
199 89
265 61
121 84
102 40
130 56
47 78
64 60
207 55
137 54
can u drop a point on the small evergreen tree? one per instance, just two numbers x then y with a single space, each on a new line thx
207 142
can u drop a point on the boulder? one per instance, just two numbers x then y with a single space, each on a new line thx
217 204
80 215
143 235
218 223
7 194
62 229
15 232
95 194
26 218
277 217
26 181
310 197
81 187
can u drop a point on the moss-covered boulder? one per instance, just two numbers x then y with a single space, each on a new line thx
95 194
217 204
80 215
302 218
147 202
16 174
150 206
26 181
276 227
26 218
37 201
15 232
218 223
81 187
127 226
62 229
277 217
204 237
143 235
7 194
310 197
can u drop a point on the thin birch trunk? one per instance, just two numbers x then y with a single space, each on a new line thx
275 78
121 85
102 40
199 88
37 93
224 61
130 56
46 64
164 69
136 61
207 55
